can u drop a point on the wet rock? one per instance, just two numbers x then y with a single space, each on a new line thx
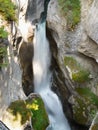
3 126
94 125
25 59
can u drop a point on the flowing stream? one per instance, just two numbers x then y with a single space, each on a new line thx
42 80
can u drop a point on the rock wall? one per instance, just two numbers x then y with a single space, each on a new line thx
74 57
76 52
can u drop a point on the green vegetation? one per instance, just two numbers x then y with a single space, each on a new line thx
3 53
95 127
86 106
30 109
19 107
81 76
71 10
3 49
7 13
39 116
3 33
87 92
7 10
79 73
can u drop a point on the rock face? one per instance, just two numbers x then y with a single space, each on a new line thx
74 58
10 86
90 25
25 59
94 125
34 10
76 55
3 126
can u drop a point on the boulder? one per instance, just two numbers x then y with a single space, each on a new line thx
26 114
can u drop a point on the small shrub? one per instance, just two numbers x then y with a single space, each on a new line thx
19 107
71 10
3 54
3 33
7 10
3 49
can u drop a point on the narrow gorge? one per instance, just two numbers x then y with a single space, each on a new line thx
49 65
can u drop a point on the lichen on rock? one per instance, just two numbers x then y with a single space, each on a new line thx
85 106
77 72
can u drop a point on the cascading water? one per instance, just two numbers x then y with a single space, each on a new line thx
42 80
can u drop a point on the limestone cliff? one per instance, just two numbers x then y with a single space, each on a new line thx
74 51
77 54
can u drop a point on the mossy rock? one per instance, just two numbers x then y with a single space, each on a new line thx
85 106
72 11
78 73
19 107
81 76
40 119
32 108
95 127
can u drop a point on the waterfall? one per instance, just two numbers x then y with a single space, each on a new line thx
42 80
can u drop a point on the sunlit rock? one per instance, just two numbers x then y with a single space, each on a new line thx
94 125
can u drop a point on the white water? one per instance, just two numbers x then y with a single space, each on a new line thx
42 83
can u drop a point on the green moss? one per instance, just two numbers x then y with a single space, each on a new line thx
71 10
3 33
81 76
79 112
3 54
95 127
86 92
85 107
7 10
71 62
19 107
40 119
79 73
31 108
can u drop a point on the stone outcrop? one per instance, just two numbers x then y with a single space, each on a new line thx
21 114
80 48
89 43
74 58
89 47
94 125
25 60
3 126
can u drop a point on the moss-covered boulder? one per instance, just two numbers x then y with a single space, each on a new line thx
40 119
85 106
19 108
31 110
